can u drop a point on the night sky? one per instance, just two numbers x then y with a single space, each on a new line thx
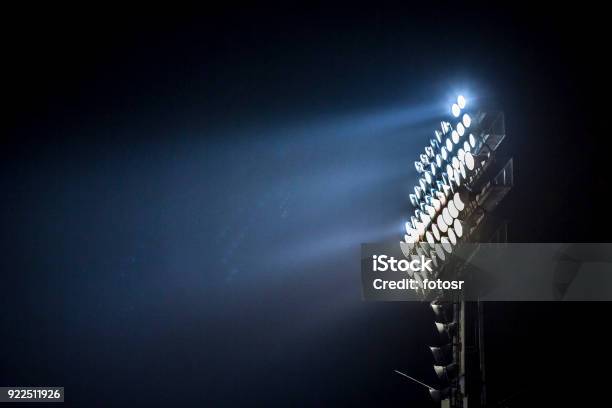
184 199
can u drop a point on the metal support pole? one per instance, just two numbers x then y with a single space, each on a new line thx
481 351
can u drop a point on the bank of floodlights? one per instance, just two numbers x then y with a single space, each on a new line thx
442 200
446 169
456 188
445 361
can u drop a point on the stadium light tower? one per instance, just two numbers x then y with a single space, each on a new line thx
460 181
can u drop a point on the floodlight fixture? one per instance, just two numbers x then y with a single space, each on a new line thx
457 177
442 310
435 231
446 245
451 236
429 237
442 355
406 248
455 136
438 134
455 162
413 200
458 228
441 196
446 188
449 144
458 201
422 184
469 161
448 329
443 153
420 227
418 278
449 168
420 250
442 226
445 199
461 154
447 373
445 126
442 186
452 209
426 220
455 110
439 395
433 143
462 170
461 101
438 160
428 178
448 219
419 167
440 252
449 176
433 257
433 202
472 140
460 129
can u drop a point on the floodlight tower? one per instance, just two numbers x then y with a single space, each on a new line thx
461 180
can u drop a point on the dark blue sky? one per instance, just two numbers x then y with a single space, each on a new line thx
185 197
